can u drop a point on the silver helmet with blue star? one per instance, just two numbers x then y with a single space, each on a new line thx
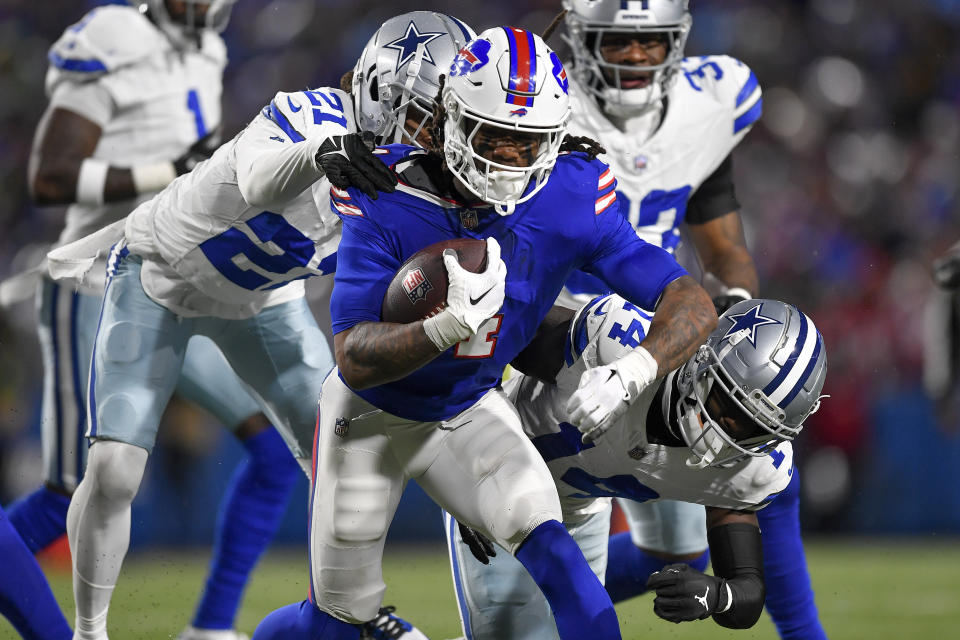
184 22
752 385
397 77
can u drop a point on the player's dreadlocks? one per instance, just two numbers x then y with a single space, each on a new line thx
553 25
437 120
583 144
346 82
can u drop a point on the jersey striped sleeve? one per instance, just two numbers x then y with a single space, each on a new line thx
606 191
748 105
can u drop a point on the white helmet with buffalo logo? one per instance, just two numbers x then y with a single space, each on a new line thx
509 79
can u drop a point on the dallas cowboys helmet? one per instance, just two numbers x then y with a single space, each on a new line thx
752 384
587 21
397 76
185 30
508 79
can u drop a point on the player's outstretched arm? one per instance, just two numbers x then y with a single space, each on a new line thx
734 595
684 318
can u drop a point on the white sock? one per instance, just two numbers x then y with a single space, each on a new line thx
98 528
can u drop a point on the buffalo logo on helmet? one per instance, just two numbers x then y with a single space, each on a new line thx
470 58
559 73
416 285
522 111
341 427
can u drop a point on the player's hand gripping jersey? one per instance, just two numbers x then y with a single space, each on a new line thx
242 230
571 223
624 463
710 106
151 100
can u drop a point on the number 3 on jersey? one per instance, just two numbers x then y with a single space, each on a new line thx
483 343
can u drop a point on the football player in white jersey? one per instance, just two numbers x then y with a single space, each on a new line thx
669 125
135 101
222 252
716 432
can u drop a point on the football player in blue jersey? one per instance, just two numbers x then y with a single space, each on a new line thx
221 253
716 432
134 102
423 400
669 125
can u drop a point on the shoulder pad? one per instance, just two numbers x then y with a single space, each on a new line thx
731 83
604 330
104 40
393 155
586 178
315 112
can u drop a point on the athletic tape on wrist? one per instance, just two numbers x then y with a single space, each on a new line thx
729 599
444 330
740 292
150 178
91 181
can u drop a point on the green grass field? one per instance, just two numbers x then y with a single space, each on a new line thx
865 590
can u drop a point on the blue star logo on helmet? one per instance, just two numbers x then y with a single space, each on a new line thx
471 57
407 45
748 321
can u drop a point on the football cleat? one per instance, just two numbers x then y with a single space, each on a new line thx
387 626
195 633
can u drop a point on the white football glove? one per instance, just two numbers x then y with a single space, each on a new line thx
606 392
471 298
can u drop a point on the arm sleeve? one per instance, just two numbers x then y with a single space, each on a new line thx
366 263
637 270
88 99
716 197
272 169
736 553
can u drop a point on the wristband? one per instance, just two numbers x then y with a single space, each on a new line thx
91 181
444 330
637 370
150 178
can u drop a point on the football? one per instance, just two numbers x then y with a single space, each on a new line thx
419 289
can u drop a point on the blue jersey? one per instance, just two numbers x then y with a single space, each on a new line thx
572 223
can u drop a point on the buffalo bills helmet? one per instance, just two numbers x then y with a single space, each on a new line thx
185 29
587 22
397 77
509 82
752 384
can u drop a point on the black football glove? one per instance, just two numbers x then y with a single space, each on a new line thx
197 153
946 269
480 546
684 594
348 161
723 302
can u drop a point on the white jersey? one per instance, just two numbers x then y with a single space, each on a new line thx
242 230
159 100
623 463
711 105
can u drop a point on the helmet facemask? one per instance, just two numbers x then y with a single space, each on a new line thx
185 29
605 80
469 135
752 425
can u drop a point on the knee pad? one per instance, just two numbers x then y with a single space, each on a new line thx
115 469
360 508
521 501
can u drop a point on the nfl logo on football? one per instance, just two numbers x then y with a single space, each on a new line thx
468 219
416 285
342 426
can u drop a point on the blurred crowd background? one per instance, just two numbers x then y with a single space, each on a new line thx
849 190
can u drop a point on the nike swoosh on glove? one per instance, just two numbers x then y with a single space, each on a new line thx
348 161
607 391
